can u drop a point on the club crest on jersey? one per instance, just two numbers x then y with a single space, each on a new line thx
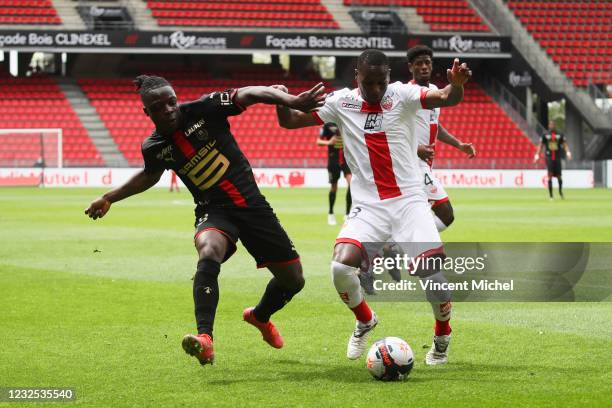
373 121
166 154
387 103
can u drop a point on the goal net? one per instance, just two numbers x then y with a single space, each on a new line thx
22 149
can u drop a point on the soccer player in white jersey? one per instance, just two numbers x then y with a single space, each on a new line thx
389 203
428 129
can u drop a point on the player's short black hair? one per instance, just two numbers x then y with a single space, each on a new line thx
418 50
372 57
145 83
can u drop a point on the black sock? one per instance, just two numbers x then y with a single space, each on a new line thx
349 200
560 186
550 187
274 299
206 294
332 201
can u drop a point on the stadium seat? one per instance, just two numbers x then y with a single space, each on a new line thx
243 13
38 102
446 15
28 12
567 29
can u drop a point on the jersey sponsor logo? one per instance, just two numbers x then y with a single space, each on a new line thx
196 126
373 121
351 106
166 154
206 167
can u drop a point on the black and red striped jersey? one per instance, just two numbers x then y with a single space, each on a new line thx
334 152
553 145
204 154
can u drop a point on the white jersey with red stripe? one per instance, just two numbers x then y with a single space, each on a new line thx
426 127
380 145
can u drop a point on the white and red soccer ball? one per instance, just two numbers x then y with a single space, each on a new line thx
390 359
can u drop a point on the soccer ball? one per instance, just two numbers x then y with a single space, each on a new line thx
390 359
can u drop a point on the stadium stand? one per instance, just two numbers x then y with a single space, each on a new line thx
37 102
500 142
28 12
447 15
577 35
264 143
243 13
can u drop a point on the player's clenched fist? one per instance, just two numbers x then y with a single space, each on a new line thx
98 208
459 74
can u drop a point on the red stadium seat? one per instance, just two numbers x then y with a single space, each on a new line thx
243 13
449 15
567 29
39 103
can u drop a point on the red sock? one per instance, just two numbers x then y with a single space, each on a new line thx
442 328
362 311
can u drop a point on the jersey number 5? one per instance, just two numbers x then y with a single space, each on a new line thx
205 176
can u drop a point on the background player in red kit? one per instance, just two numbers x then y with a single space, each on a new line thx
194 139
174 182
330 136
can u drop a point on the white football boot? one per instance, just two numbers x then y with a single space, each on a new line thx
331 219
358 342
438 354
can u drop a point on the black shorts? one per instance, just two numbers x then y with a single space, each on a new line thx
334 169
553 167
257 227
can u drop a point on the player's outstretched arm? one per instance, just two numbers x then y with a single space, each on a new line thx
140 182
306 101
292 119
447 138
452 94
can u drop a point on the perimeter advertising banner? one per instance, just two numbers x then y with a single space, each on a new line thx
288 178
211 42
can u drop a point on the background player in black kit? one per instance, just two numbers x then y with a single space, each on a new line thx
195 141
553 142
330 137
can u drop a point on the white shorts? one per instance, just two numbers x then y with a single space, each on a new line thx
433 188
400 220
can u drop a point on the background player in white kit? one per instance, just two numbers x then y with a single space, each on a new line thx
428 129
389 203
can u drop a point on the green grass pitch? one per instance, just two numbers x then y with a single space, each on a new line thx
102 306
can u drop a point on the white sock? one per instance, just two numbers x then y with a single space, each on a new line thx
346 281
439 224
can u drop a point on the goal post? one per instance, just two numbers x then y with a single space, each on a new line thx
31 147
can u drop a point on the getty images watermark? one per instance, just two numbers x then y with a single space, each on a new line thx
458 265
488 271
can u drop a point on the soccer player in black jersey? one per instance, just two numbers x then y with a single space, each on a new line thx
330 137
553 142
195 141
